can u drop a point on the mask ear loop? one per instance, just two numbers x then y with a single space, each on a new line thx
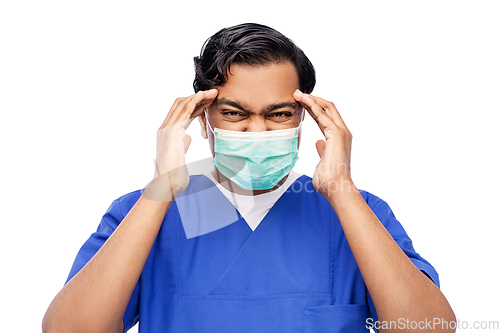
302 118
208 122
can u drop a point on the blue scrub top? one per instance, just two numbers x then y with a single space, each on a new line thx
294 273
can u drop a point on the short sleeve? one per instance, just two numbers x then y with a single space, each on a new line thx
109 222
387 218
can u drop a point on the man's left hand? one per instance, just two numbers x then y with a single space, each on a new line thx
334 167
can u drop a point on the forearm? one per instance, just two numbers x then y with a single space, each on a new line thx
396 285
95 299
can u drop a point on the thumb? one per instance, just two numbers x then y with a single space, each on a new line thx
320 147
187 142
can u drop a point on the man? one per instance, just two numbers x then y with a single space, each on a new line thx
178 257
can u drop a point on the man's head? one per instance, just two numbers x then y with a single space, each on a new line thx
256 71
249 44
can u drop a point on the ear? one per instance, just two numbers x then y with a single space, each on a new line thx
202 118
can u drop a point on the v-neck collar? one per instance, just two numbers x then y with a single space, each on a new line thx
253 209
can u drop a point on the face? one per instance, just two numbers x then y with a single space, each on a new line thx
255 99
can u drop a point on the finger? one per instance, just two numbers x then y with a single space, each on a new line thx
330 108
315 110
326 106
320 147
187 142
206 98
185 106
298 96
168 118
188 108
194 105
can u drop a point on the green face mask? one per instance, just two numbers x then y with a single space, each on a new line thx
255 160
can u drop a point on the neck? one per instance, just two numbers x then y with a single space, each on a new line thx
232 187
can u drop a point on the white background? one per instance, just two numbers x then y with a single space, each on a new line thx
85 85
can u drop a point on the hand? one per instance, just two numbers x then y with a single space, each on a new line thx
171 177
334 167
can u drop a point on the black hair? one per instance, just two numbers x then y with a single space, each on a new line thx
251 44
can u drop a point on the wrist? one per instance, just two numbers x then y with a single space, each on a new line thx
338 187
161 188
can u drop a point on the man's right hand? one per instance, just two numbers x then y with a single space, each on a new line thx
96 298
171 177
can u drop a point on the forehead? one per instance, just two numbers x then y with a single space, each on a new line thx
257 87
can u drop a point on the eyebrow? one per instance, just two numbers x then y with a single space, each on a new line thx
271 107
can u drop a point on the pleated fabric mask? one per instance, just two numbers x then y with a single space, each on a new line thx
255 160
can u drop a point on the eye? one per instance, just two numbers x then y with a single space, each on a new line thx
280 116
232 115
